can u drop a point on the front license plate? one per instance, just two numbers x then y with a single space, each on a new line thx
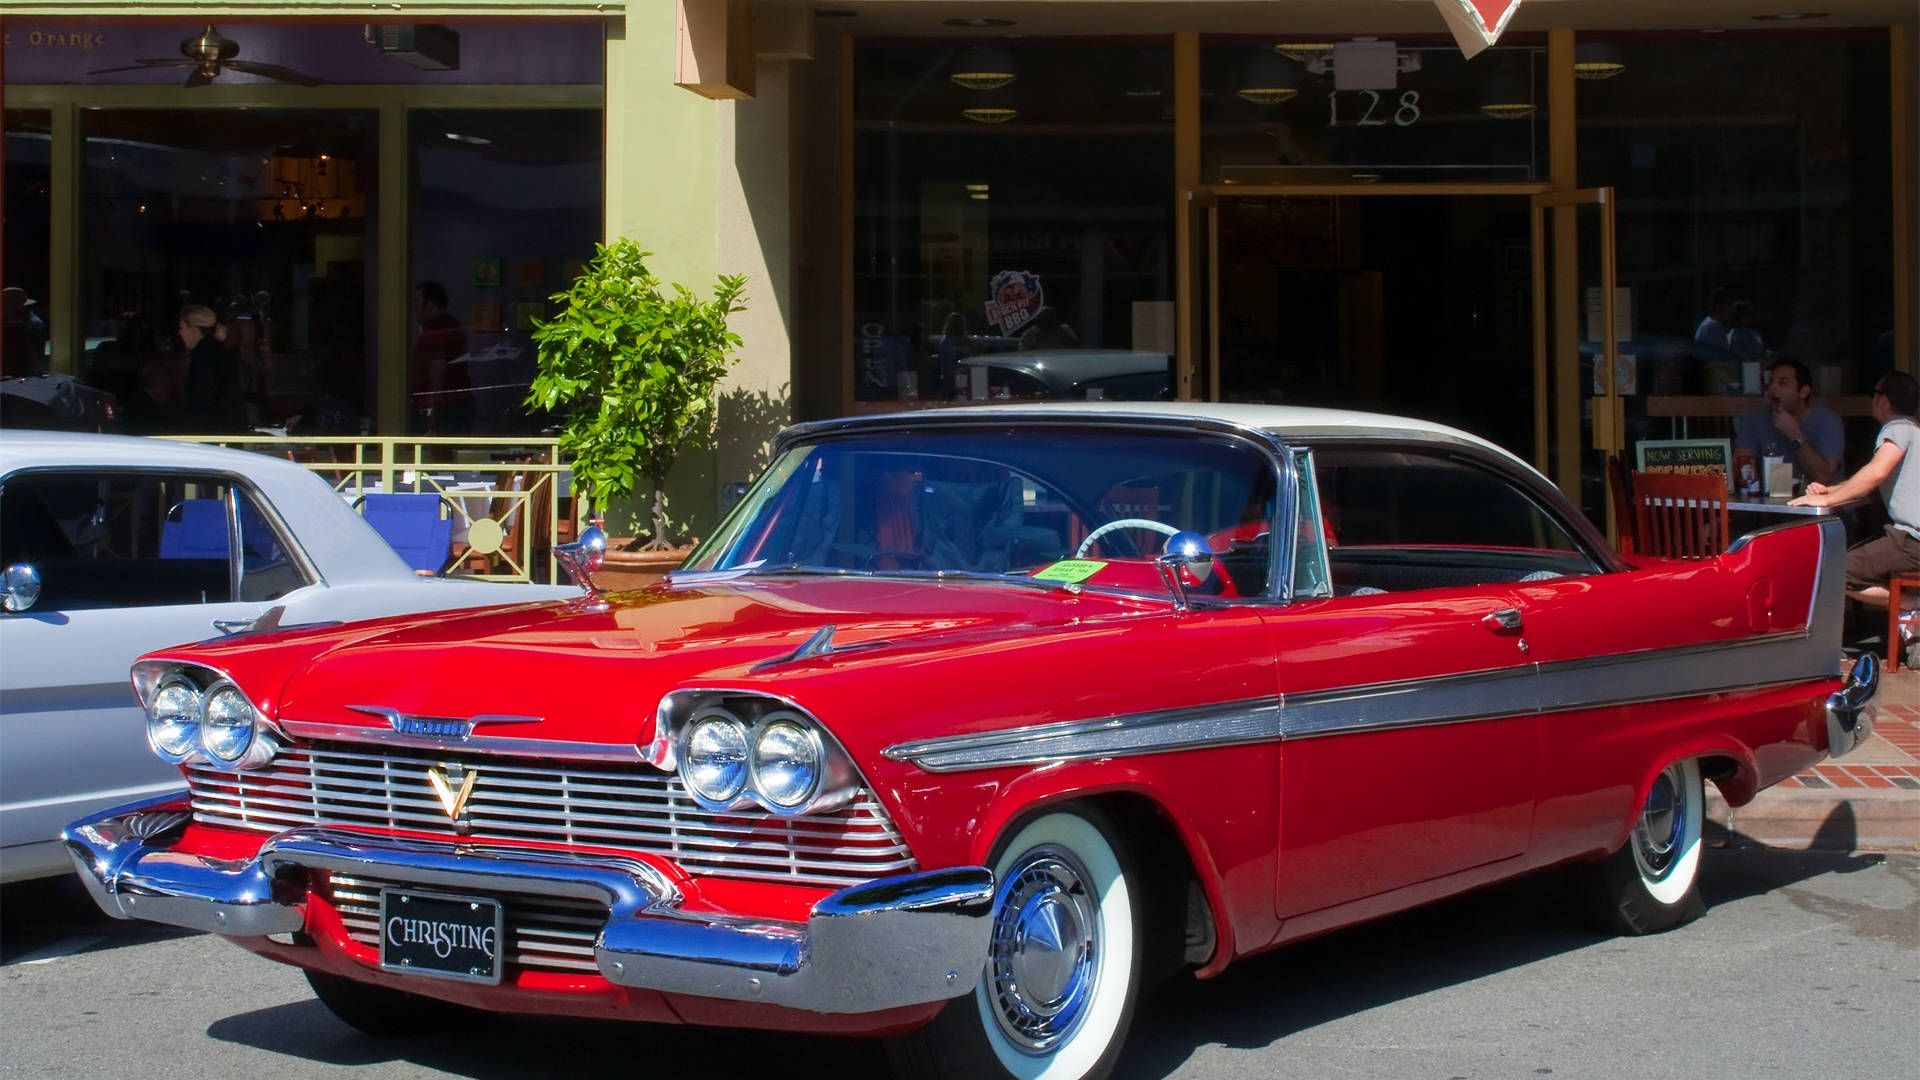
452 937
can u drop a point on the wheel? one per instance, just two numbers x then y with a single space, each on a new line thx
1652 883
1062 971
1160 527
379 1011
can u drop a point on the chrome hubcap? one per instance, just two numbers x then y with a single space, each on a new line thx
1043 955
1658 834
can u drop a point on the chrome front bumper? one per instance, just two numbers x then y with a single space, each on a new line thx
895 941
1849 721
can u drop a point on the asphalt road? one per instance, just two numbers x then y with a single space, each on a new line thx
1807 965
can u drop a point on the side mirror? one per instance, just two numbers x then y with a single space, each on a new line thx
1187 555
21 588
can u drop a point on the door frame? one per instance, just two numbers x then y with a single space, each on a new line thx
1209 197
1557 424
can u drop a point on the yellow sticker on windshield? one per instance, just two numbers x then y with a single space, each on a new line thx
1070 571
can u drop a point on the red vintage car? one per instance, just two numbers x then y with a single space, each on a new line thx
963 727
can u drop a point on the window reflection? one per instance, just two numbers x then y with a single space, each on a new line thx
28 218
505 211
1013 232
260 220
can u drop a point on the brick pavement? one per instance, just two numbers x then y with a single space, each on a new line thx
1866 801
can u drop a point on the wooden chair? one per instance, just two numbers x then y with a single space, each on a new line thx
1620 489
1680 515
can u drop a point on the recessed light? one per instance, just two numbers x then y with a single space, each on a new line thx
980 195
1791 16
976 22
978 187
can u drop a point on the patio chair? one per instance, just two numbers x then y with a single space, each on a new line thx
1680 515
416 525
195 529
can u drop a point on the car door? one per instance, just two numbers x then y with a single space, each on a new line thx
128 562
1409 723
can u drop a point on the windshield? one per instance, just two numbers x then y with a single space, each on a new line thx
1005 502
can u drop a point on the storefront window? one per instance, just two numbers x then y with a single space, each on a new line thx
1306 111
1752 171
28 213
1013 210
506 208
267 218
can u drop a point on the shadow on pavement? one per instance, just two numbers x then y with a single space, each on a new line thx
56 912
513 1046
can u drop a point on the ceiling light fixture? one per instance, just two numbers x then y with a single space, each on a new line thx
1596 60
1508 95
980 195
1304 51
1269 79
982 69
975 22
977 187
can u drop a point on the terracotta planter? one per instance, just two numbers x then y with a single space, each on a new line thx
633 569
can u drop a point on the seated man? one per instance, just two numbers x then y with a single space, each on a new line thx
1893 472
1794 426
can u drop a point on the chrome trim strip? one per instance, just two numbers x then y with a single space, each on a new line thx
897 941
453 730
1227 724
501 745
1782 658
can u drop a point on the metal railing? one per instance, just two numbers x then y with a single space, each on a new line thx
508 498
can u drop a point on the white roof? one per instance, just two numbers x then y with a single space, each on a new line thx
1280 420
343 547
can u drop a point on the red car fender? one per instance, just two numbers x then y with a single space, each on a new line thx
1042 789
1737 789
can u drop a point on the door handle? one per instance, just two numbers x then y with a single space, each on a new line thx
1504 621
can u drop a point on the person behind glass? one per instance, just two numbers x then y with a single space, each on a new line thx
215 400
1742 338
1790 424
442 392
1713 329
1894 473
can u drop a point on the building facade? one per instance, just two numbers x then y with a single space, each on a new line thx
1582 236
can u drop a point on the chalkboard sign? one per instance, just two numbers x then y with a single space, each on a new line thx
1684 456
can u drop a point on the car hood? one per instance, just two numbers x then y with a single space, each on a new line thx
586 672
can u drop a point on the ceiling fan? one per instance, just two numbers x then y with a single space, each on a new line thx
209 53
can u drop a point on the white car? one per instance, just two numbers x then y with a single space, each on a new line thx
111 547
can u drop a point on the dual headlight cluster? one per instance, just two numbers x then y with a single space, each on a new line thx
739 751
195 716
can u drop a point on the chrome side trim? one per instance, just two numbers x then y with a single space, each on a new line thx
1774 659
501 745
1227 724
904 940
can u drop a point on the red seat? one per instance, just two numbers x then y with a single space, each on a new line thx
1680 515
1895 585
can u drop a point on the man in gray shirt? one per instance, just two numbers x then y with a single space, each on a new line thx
1895 473
1792 425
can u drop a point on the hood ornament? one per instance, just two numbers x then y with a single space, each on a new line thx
582 558
454 801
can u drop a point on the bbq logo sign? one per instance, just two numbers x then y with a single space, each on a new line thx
1013 299
1476 24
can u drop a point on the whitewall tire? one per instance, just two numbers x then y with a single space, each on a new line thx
1652 883
1056 993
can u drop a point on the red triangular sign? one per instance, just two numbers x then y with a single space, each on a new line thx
1476 24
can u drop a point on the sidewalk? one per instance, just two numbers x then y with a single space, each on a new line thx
1866 801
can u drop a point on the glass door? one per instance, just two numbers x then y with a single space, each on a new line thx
1583 387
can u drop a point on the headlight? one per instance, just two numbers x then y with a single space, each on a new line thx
227 728
173 720
714 767
786 763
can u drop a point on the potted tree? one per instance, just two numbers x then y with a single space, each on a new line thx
633 365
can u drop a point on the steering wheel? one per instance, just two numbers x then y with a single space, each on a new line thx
1160 527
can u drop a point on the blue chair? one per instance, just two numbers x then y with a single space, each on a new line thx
195 529
414 526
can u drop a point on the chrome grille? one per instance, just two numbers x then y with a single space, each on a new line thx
545 932
576 804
